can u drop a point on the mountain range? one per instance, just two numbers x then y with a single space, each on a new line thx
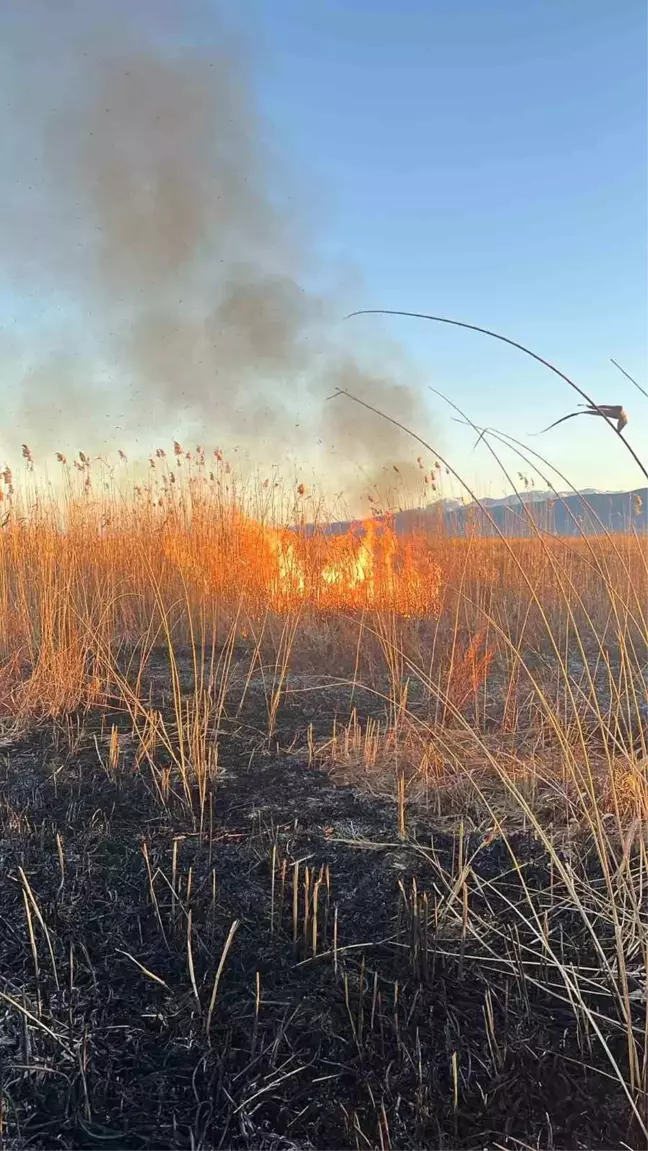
587 512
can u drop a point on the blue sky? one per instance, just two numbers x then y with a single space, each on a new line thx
486 161
480 159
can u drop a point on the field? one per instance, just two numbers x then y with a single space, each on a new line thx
315 841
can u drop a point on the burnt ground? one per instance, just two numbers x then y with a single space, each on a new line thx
416 1011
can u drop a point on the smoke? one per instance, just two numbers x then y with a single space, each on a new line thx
160 280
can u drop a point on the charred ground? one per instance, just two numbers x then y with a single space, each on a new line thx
377 990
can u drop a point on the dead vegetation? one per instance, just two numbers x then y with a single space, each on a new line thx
311 842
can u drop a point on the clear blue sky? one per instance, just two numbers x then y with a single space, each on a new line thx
486 161
480 159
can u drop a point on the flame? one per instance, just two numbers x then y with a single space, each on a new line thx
291 579
358 566
368 566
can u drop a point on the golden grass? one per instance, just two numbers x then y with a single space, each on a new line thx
91 567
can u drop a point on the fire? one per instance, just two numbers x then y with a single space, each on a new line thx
358 566
368 566
290 577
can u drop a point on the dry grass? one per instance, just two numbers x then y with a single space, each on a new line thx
490 688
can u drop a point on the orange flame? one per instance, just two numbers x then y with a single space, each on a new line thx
367 566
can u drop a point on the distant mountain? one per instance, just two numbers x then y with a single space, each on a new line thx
589 512
528 497
569 514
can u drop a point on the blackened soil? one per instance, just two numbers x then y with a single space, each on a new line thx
368 997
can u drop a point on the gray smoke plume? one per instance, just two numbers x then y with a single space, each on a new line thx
159 278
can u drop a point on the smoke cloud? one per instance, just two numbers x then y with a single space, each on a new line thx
157 279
